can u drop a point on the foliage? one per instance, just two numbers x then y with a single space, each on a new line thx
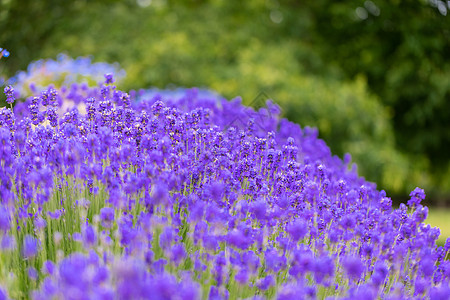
403 48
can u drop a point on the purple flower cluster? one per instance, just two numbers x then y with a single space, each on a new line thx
63 71
164 198
90 276
9 92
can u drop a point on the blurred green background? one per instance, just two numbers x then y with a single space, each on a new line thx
372 76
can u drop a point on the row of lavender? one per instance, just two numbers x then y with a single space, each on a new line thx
192 196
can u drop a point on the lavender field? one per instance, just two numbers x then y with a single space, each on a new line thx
108 194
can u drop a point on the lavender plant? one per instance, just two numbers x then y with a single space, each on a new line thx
62 72
169 197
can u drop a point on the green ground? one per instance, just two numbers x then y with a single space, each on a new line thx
440 217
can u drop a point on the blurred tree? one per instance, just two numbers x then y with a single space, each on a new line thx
26 26
403 48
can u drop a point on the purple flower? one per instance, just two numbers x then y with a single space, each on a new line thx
109 78
89 236
76 236
238 239
3 294
324 266
149 257
419 286
30 247
127 232
48 97
362 292
266 282
49 267
259 209
216 190
416 197
297 229
251 260
242 276
197 211
5 220
214 293
9 92
440 293
283 201
292 291
40 223
427 266
101 275
107 216
32 273
160 194
189 290
48 288
54 215
420 214
447 245
348 222
71 268
159 265
210 242
274 261
353 267
52 117
380 273
166 238
178 253
7 243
